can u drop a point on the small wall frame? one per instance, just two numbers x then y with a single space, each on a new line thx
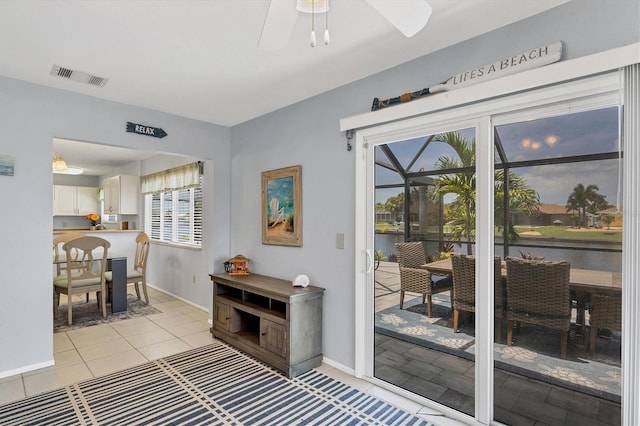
282 206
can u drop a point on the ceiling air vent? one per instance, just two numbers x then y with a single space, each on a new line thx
78 76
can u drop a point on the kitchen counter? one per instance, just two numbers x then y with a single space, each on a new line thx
97 231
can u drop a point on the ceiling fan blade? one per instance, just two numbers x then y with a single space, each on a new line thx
408 16
278 24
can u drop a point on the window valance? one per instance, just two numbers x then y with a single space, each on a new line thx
183 177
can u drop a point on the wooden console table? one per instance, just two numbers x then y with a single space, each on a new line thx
269 319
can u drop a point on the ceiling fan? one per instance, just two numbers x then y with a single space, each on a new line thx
408 16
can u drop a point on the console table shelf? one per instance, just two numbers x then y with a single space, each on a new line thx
269 319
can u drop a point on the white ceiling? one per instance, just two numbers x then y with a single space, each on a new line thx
199 58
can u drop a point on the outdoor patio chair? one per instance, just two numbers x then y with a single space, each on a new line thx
605 313
464 290
413 278
538 293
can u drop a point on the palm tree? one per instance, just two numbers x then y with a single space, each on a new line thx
461 211
462 184
522 199
586 199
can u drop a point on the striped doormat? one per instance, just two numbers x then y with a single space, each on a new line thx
211 385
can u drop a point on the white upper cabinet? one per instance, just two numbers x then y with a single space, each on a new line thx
74 200
121 194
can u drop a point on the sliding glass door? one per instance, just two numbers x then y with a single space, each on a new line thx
424 212
559 209
493 285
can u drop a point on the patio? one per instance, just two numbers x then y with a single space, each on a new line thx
423 355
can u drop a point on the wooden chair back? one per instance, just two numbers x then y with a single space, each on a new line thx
90 274
71 262
142 253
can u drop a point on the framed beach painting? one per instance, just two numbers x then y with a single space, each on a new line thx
6 165
282 206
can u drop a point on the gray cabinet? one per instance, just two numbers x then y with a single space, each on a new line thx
269 319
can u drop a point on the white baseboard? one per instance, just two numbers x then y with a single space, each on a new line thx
26 369
338 366
182 299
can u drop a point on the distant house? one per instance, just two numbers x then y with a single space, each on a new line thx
554 214
548 214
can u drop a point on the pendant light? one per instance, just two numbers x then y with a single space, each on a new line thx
59 164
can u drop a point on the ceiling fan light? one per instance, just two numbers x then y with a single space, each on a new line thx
312 6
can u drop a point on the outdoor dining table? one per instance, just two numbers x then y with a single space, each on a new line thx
117 264
580 280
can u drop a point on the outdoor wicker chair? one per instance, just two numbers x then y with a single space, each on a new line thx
605 313
413 278
538 293
464 289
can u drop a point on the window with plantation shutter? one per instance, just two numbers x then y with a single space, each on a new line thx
175 215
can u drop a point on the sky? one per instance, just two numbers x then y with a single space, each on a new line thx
580 133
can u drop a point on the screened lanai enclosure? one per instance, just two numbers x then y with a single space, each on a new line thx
557 291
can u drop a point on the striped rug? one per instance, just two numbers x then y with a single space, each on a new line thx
211 385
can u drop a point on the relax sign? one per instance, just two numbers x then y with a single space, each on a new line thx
145 130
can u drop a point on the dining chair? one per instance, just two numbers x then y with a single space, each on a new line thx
138 274
605 312
58 242
464 290
90 274
71 263
538 293
413 278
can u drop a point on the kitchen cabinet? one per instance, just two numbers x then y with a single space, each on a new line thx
270 319
74 200
121 194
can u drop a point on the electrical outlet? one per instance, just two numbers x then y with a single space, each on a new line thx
340 240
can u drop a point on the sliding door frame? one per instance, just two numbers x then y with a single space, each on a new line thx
595 90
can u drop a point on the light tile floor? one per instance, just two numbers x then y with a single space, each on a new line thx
94 351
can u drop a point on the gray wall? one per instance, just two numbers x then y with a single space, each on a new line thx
307 134
30 117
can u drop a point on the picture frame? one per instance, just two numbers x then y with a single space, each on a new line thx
282 206
6 165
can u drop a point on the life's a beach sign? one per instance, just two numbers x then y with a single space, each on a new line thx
532 58
142 129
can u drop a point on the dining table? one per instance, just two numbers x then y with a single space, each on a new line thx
582 283
580 280
117 264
